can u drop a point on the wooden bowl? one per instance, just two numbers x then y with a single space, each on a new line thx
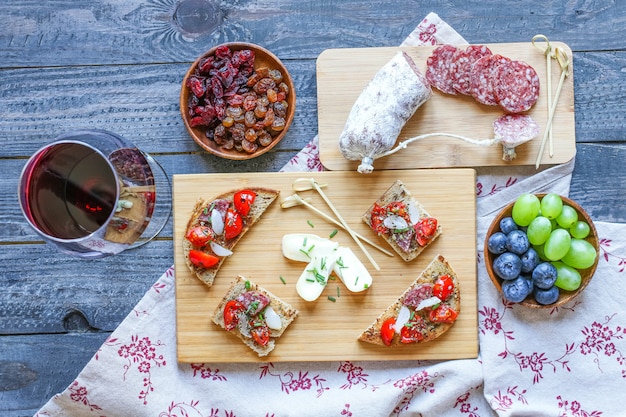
263 58
586 274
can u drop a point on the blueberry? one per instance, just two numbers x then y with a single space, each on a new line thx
517 290
507 266
530 260
547 296
544 275
517 242
507 225
497 243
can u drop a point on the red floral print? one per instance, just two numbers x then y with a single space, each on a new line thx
465 405
573 409
79 394
421 381
291 383
206 373
143 353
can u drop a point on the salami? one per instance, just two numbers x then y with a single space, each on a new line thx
517 86
462 63
439 66
482 78
382 109
513 130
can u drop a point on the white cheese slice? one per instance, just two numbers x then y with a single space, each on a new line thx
313 279
304 247
351 270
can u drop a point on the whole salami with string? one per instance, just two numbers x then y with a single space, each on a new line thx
382 109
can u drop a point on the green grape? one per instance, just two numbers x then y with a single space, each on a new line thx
539 230
567 217
551 205
581 254
580 230
539 250
525 209
557 244
567 278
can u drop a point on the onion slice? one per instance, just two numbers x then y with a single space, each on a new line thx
429 302
403 317
217 222
414 214
272 319
395 222
220 250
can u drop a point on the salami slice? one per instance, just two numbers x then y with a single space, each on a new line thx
462 63
482 78
513 130
438 68
517 86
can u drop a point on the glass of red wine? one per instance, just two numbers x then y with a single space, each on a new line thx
93 194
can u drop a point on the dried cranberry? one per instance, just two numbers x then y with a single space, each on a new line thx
206 64
223 51
217 88
196 85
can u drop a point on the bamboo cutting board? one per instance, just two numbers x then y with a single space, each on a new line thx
326 330
343 73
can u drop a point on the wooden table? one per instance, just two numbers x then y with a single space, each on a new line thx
117 65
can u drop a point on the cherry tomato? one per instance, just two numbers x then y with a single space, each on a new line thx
260 333
199 235
412 332
398 208
387 331
378 216
443 287
443 314
425 229
231 314
202 259
243 200
233 224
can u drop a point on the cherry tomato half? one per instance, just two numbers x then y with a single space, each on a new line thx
202 259
199 235
260 333
387 331
233 225
443 314
243 200
443 288
425 229
413 331
378 216
231 314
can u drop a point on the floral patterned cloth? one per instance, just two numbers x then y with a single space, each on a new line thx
566 361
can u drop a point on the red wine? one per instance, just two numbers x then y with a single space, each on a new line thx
70 191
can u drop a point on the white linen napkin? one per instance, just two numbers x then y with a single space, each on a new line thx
549 363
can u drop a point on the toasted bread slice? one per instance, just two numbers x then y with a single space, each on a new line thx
431 330
264 198
399 193
285 311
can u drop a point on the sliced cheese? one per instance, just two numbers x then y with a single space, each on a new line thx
351 270
304 247
313 279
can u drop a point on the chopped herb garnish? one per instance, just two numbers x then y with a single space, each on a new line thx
310 248
332 234
333 299
339 262
283 280
366 286
310 280
310 223
306 253
356 281
338 292
247 284
323 263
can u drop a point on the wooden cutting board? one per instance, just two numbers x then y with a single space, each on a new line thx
343 73
326 330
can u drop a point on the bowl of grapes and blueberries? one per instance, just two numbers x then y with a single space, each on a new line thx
237 100
541 250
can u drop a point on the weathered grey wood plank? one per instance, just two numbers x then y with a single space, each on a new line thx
135 31
27 379
139 102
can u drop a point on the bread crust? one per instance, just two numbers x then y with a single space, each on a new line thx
284 310
398 192
265 197
438 266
